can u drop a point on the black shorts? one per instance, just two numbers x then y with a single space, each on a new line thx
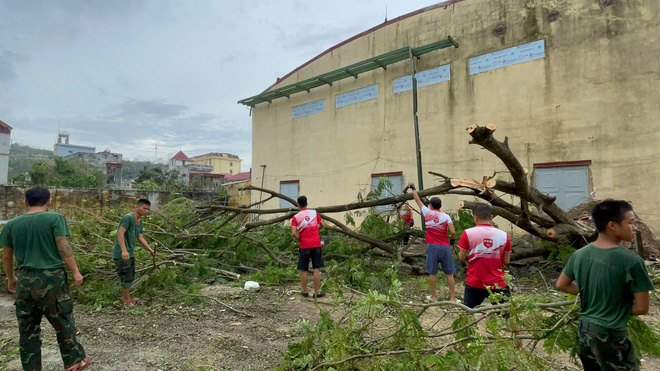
474 296
126 271
313 254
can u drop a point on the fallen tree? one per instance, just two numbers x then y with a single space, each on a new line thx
533 211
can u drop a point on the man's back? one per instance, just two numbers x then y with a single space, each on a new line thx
437 223
307 223
607 279
32 236
486 246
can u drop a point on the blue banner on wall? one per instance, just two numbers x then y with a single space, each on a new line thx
308 108
507 57
424 78
356 96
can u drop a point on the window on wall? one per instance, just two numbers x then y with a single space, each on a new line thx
231 163
289 188
392 184
568 181
231 171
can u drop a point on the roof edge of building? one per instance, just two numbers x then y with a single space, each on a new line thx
443 4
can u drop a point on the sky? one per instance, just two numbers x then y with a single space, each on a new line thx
148 78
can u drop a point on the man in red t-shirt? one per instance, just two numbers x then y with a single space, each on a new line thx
487 249
405 213
305 227
439 246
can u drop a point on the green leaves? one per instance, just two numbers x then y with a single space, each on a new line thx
644 337
66 173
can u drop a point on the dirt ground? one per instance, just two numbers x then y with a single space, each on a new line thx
161 335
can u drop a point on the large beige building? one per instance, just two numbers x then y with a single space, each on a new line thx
575 85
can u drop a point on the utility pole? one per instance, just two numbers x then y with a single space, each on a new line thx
418 152
156 156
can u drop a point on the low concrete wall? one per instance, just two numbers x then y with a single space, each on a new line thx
12 198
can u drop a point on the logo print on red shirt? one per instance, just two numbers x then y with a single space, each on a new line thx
307 218
436 220
488 242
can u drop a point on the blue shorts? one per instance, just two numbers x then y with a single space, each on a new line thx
439 254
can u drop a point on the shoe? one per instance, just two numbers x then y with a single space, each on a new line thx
304 294
319 295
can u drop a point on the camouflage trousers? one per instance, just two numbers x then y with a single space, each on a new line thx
45 293
605 349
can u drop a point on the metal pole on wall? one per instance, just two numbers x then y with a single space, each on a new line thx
420 177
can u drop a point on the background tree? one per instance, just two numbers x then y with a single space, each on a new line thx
65 173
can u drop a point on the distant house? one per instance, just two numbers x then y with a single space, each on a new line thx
5 144
189 170
66 149
221 162
110 163
178 160
238 177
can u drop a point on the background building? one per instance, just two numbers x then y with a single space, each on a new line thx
5 145
222 163
574 85
66 149
188 170
109 162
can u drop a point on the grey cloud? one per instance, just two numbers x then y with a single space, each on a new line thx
8 62
312 36
230 58
155 109
195 133
51 23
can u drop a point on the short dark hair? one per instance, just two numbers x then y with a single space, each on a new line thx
143 201
37 196
609 211
436 203
302 201
483 211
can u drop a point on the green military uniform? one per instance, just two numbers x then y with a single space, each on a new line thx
126 269
607 280
42 288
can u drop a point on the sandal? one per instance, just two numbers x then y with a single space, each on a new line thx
81 365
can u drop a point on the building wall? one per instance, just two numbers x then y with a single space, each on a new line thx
64 150
62 199
222 163
5 145
237 195
592 97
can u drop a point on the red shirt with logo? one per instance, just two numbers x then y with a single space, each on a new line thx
437 223
486 246
406 214
307 224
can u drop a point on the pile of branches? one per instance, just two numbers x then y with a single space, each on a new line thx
379 331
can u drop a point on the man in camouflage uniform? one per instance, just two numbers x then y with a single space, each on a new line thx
38 241
613 285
